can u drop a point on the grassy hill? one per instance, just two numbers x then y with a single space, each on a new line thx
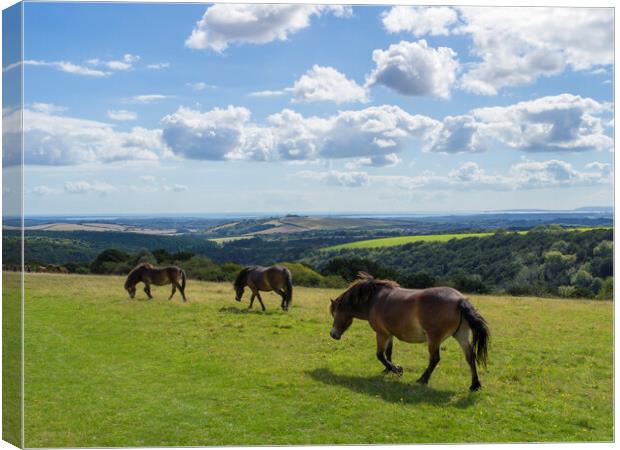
102 370
402 240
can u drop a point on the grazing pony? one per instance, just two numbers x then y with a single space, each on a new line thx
148 275
272 278
413 315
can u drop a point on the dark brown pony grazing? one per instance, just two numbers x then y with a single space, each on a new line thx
413 315
148 275
272 278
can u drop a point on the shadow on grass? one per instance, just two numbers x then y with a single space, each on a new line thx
242 310
394 390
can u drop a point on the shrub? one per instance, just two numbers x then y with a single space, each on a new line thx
418 280
607 289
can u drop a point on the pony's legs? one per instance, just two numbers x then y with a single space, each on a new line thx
388 350
174 289
282 294
262 305
147 290
181 290
251 301
383 343
462 336
433 352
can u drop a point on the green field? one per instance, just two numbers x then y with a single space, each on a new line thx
102 370
402 240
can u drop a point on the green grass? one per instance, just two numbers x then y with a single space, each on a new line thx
402 240
102 370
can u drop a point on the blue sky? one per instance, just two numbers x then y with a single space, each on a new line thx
151 108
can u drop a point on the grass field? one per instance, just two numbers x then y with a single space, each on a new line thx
102 370
402 240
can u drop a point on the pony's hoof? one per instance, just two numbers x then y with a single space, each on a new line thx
398 371
474 387
422 381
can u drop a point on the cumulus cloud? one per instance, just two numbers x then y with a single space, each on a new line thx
51 139
47 108
415 69
230 134
562 123
43 190
389 159
419 20
338 178
556 173
223 24
267 93
122 114
517 45
321 84
521 176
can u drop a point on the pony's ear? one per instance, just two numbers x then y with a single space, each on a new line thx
331 300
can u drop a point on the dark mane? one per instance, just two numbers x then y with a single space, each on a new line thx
135 272
362 290
242 277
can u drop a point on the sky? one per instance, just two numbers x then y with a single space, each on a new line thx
198 108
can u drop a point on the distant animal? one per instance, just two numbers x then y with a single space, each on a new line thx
413 315
159 276
272 278
42 269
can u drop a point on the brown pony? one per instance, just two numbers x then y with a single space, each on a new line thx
148 275
272 278
413 315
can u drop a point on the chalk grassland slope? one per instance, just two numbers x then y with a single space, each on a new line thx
402 240
102 370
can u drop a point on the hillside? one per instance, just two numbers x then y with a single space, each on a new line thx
105 366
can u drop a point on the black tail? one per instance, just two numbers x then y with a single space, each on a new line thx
182 280
479 329
289 287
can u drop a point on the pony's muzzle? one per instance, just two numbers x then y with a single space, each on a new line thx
334 334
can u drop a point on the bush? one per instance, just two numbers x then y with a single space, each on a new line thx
306 276
418 280
607 289
567 291
469 284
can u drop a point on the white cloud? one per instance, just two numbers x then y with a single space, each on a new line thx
419 20
321 84
68 67
86 187
373 132
562 123
59 140
555 173
386 160
47 108
175 188
517 45
223 24
266 93
457 134
200 86
338 178
43 190
147 98
415 69
147 178
158 66
522 176
122 114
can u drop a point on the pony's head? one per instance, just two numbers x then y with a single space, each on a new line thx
342 318
132 279
355 300
130 287
239 283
